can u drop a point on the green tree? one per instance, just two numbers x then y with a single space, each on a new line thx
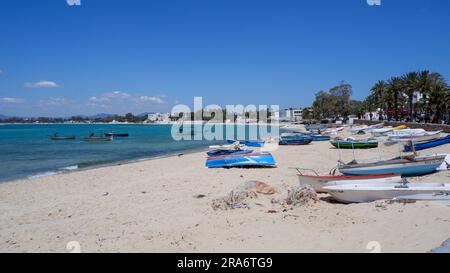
410 82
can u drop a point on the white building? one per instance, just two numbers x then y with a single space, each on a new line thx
417 96
158 118
292 115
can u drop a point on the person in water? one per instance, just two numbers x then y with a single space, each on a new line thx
92 135
56 134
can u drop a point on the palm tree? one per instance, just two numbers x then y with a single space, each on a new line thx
423 86
378 91
410 82
438 97
395 88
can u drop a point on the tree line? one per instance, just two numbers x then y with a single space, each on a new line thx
421 96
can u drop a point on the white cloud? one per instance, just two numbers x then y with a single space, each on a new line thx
41 84
10 100
55 102
110 97
158 100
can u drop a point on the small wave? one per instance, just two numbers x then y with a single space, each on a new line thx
70 168
40 175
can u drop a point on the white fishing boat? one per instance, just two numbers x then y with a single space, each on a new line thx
362 193
320 182
416 135
365 128
294 128
381 131
385 130
236 146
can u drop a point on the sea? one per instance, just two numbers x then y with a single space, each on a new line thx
27 151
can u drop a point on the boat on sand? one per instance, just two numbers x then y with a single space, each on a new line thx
235 148
263 159
362 193
249 143
318 182
351 143
429 144
405 166
295 139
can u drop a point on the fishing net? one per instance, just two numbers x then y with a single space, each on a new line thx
300 196
245 195
234 200
242 196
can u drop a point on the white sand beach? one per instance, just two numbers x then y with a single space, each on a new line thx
152 206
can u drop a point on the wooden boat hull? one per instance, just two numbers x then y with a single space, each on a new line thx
319 182
246 160
354 145
373 192
430 144
404 167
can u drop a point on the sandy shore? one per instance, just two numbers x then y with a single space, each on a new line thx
150 206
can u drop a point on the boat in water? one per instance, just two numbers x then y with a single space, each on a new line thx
295 139
429 144
93 138
111 134
405 166
61 137
318 182
246 160
351 143
362 193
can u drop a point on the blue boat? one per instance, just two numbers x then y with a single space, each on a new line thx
405 166
316 127
228 152
429 144
249 143
295 139
321 138
245 160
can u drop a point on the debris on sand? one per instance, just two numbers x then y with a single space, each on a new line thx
401 201
234 200
263 188
299 196
242 196
199 196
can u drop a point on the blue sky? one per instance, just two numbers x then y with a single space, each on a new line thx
119 56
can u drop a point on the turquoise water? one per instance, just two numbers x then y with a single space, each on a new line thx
28 151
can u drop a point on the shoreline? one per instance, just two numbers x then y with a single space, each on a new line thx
165 205
66 170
